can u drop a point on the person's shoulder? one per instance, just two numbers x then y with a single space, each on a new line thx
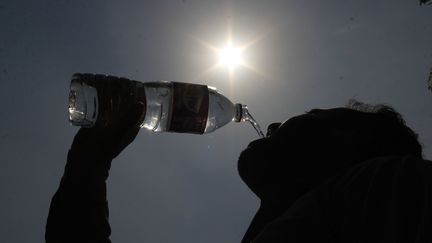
379 195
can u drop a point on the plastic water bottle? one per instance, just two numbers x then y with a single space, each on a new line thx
96 100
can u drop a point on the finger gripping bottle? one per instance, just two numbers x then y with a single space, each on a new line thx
98 100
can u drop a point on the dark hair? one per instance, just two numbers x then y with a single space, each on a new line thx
394 136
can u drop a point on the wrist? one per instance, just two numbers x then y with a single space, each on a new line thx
86 167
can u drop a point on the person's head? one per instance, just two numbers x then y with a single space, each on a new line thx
305 150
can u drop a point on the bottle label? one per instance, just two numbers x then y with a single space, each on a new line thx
190 104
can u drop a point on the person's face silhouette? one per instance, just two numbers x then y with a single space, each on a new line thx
298 153
303 152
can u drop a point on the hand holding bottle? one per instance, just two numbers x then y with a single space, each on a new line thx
110 140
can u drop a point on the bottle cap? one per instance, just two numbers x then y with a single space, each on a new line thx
239 112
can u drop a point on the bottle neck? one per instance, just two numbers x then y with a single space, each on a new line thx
243 115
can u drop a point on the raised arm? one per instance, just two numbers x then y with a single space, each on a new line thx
79 209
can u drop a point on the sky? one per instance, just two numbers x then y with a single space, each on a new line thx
179 187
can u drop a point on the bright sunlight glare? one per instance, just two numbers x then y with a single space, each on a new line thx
230 56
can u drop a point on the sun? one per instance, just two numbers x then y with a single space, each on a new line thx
230 56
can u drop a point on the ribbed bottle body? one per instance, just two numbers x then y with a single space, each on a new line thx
98 100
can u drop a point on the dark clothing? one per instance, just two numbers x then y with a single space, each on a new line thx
79 208
386 199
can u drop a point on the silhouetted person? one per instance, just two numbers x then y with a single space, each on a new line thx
339 175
